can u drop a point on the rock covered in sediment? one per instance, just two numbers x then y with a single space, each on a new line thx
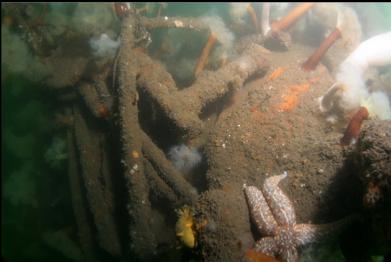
374 159
225 233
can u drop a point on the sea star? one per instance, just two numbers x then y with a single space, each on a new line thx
275 218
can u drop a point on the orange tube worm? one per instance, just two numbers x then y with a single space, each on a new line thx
314 59
353 130
205 54
291 17
253 15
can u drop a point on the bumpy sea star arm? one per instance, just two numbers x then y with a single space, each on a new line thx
260 211
309 233
289 255
278 202
267 245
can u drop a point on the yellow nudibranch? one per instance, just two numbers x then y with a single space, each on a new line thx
184 227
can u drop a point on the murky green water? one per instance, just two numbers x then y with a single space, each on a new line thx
48 52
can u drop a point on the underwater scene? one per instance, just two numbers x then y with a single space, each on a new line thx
196 132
